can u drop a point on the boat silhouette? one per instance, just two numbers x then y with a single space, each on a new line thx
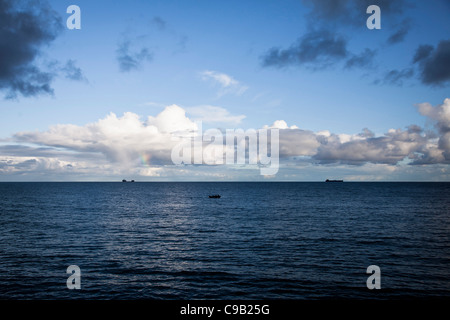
328 180
215 196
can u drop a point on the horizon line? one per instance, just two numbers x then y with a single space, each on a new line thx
223 181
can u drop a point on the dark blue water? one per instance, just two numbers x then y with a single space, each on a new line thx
259 241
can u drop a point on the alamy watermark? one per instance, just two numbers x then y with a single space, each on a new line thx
256 148
374 21
373 281
74 20
74 280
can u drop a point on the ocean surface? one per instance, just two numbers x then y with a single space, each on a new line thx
258 241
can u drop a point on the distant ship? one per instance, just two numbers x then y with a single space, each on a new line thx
215 196
127 181
328 180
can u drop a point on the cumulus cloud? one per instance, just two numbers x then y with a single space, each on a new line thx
325 147
297 142
226 83
440 116
119 139
280 124
172 119
130 144
434 63
25 28
9 165
413 144
391 148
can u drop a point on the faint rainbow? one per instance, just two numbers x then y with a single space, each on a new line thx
145 158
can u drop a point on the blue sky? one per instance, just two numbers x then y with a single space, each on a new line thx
232 64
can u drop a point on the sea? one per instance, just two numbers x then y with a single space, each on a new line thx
259 240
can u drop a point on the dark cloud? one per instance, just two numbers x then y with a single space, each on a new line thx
72 72
401 32
422 52
130 59
396 77
365 59
324 46
318 47
434 63
182 44
390 148
160 23
163 26
25 27
26 164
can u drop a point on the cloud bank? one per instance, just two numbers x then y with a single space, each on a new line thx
132 144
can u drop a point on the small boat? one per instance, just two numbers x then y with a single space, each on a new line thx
124 180
328 180
215 196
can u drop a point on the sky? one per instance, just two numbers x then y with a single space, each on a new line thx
112 99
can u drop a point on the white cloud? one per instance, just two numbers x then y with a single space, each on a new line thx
226 83
130 146
150 172
120 139
413 145
440 115
297 142
280 124
11 164
213 114
171 120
